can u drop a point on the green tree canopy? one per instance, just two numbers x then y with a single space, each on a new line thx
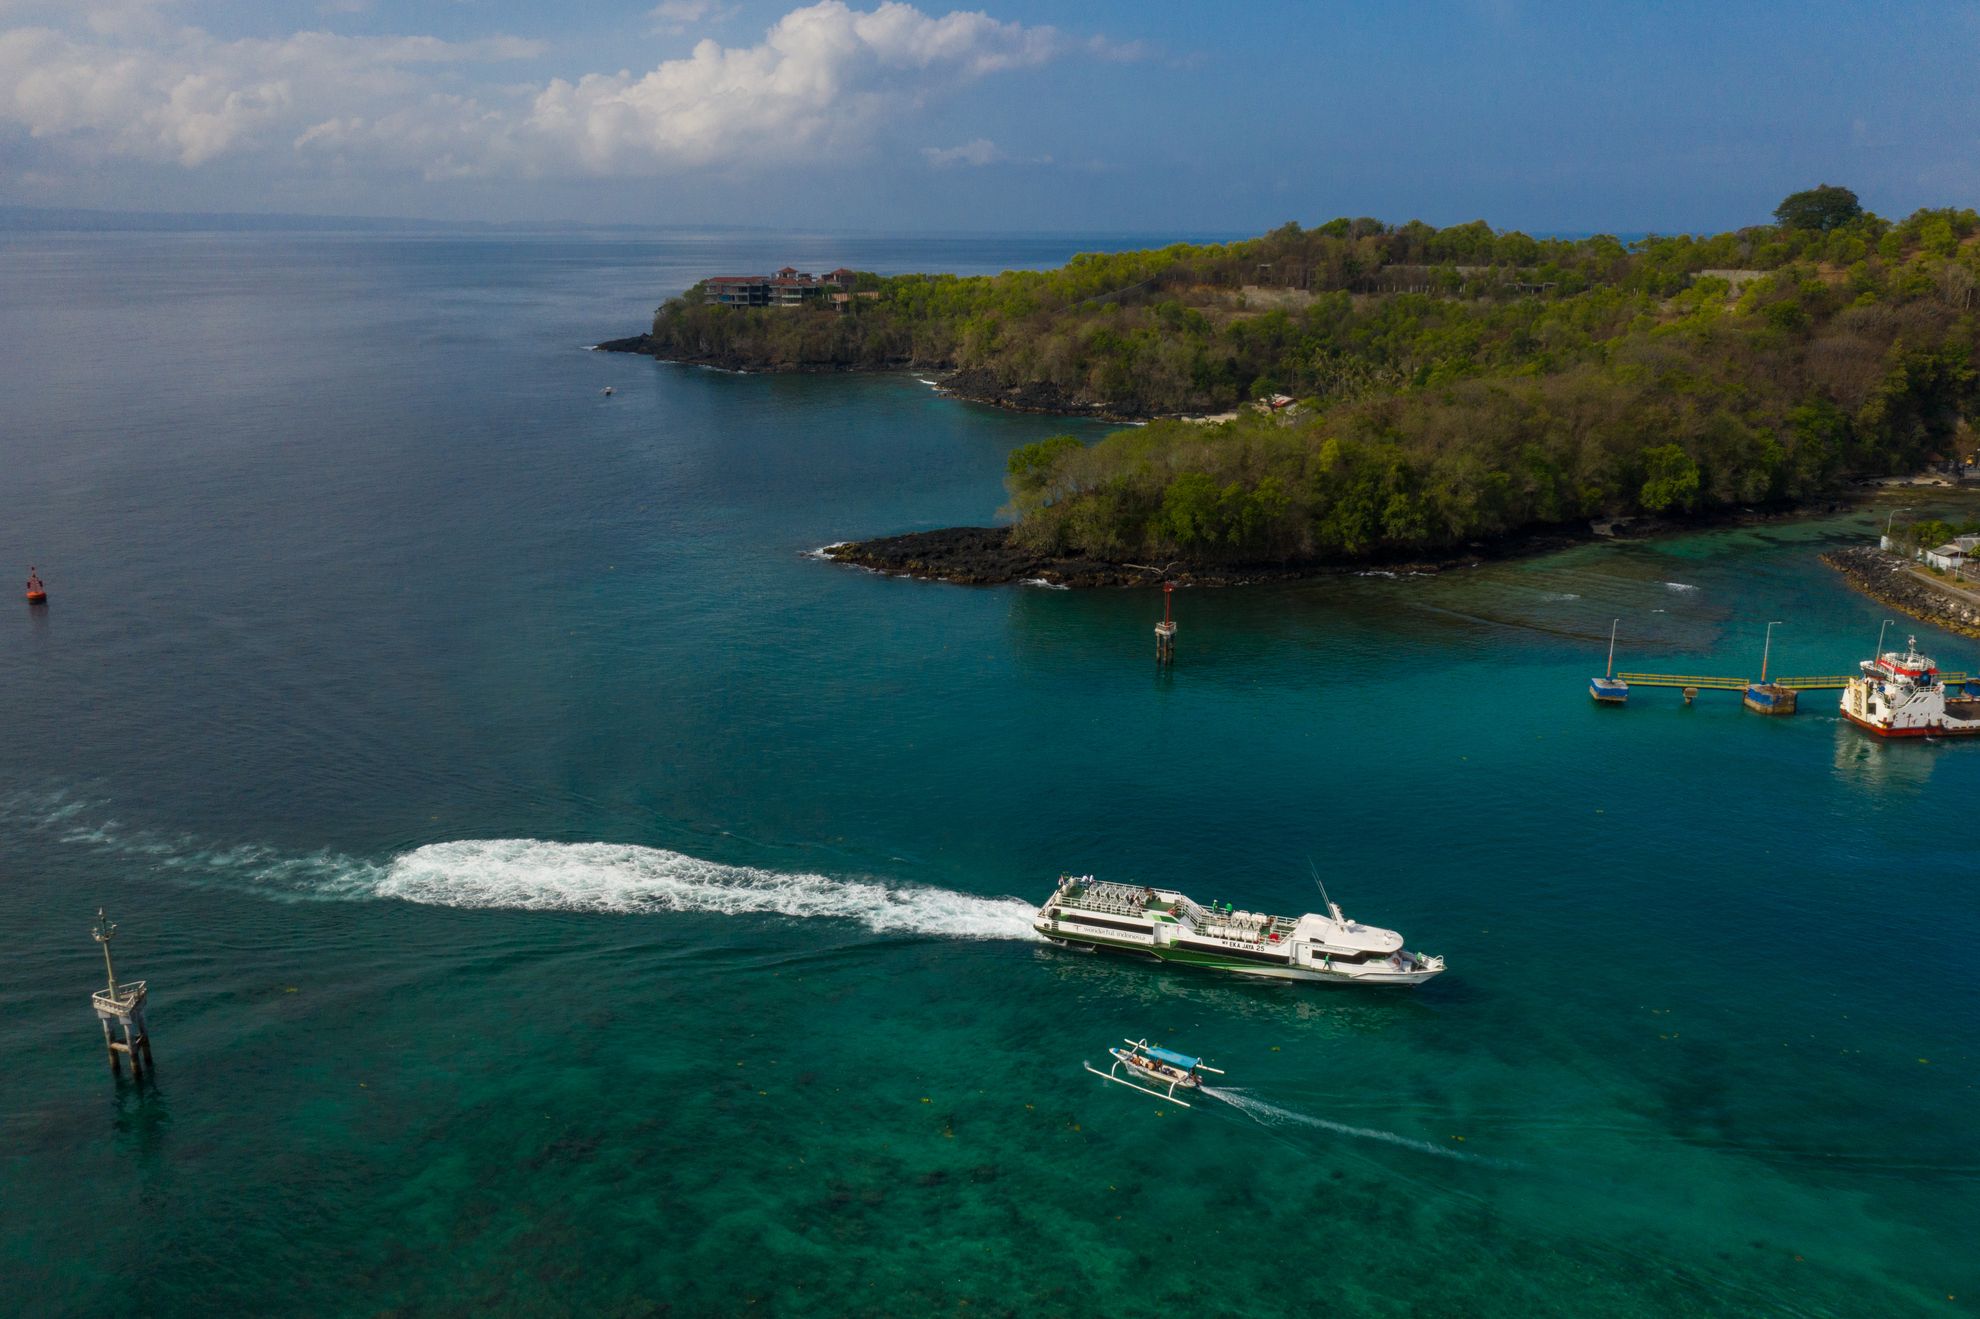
1823 207
1454 385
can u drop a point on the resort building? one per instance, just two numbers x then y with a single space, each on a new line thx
789 287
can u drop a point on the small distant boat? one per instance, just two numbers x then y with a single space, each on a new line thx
608 391
37 594
1609 689
1164 1067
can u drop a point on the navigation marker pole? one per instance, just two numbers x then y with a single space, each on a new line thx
1165 631
125 1005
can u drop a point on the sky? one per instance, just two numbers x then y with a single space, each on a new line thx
1027 115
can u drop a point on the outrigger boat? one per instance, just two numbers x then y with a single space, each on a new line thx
1163 1067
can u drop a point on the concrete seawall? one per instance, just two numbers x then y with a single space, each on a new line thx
1896 581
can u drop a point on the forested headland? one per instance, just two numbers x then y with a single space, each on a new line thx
1454 385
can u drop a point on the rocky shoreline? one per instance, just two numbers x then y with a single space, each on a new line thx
1893 580
969 386
985 556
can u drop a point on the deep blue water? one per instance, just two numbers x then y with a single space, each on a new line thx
561 893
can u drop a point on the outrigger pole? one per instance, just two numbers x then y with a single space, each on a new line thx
1109 1076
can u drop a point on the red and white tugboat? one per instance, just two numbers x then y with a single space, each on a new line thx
1900 694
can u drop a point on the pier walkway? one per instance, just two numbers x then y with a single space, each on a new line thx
1708 683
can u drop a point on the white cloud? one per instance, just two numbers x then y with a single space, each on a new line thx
824 78
982 151
677 16
203 98
976 153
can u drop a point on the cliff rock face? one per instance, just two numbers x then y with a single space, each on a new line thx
638 343
985 556
1893 580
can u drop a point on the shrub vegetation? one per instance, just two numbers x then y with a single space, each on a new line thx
1454 384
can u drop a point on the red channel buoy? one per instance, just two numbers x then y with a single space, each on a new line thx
37 594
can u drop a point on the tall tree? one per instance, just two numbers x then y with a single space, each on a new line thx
1822 207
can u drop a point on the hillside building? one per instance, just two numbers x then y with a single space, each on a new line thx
789 287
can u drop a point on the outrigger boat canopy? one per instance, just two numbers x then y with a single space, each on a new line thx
1171 1057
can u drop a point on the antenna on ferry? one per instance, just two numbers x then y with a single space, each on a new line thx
1332 910
1880 639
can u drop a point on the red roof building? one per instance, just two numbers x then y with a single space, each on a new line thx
789 287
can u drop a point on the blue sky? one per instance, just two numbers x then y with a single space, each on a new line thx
1025 115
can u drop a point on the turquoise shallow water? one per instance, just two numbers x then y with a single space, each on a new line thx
563 894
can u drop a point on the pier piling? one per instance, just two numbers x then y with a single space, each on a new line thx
123 1004
1165 631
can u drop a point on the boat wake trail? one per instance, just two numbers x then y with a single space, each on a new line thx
533 875
530 874
1271 1115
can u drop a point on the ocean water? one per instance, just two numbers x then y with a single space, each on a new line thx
562 894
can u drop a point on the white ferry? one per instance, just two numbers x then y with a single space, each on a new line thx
1901 695
1162 923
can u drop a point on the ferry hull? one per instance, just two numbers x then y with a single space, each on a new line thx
1880 730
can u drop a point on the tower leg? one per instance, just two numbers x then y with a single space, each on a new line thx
130 1047
109 1046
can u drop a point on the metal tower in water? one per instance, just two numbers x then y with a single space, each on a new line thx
122 1003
